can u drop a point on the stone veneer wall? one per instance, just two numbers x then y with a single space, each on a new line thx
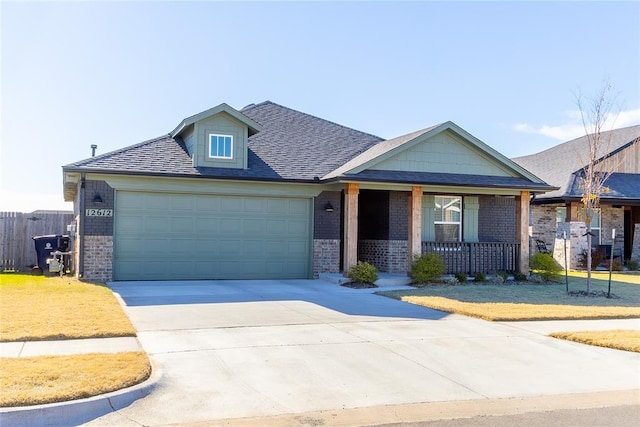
635 250
576 243
326 256
98 258
544 224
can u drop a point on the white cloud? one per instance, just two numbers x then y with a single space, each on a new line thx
573 127
11 201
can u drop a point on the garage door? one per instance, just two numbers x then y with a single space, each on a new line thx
186 236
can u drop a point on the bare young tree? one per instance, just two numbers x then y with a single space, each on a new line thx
596 113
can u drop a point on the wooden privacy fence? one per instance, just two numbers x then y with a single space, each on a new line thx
474 258
17 249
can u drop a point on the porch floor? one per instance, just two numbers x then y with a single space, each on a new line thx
384 279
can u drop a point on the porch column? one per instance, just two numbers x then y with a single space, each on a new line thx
350 227
414 243
572 211
522 230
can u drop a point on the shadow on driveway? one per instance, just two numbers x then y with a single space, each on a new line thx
356 302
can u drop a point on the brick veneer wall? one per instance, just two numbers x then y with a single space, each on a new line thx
98 258
326 256
98 233
389 256
496 219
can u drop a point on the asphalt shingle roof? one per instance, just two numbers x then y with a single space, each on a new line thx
557 165
621 186
291 146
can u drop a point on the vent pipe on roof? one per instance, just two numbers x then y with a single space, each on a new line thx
93 150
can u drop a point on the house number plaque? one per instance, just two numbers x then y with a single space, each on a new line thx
99 212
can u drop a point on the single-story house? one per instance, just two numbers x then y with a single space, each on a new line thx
271 192
559 211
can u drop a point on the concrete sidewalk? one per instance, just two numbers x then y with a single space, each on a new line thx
67 347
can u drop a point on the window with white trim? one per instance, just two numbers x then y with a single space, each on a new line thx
220 146
448 218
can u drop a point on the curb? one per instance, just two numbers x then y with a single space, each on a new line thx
75 412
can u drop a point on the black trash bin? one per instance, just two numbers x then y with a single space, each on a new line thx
47 244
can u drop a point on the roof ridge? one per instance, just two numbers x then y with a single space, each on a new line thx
566 143
268 102
118 151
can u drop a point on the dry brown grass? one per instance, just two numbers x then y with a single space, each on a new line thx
40 308
620 339
47 379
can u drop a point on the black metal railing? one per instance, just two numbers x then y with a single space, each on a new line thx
471 258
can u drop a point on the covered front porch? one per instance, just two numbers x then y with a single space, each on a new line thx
474 232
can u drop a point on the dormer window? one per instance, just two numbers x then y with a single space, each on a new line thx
220 146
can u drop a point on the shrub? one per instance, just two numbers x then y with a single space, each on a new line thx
427 268
616 266
461 276
363 272
504 275
547 267
498 280
519 277
480 277
452 281
597 256
632 264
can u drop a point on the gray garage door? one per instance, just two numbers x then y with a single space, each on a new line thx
186 236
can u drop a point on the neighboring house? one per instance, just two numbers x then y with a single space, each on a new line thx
558 211
270 192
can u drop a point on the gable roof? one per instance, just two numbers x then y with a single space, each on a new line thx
557 165
253 126
293 146
390 147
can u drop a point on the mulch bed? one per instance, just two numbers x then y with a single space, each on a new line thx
592 294
358 285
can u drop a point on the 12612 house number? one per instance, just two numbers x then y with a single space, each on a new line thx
99 212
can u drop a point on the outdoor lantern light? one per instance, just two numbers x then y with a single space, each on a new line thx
97 198
328 207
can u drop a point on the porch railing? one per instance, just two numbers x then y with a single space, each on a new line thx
471 258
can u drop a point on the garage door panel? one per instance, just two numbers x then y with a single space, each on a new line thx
183 236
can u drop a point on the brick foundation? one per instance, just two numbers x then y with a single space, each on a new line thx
389 256
98 258
326 256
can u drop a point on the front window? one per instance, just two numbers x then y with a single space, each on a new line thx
448 218
561 214
595 225
220 146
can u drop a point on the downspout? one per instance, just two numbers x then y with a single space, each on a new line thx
81 231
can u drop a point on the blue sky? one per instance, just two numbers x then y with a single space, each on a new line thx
118 73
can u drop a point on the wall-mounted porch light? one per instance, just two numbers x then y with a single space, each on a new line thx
328 207
97 198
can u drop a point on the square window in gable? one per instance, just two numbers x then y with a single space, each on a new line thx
220 146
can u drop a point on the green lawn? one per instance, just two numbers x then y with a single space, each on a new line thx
528 301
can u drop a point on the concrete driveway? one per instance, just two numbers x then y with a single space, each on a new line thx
231 349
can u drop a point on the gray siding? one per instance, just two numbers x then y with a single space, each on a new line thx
222 124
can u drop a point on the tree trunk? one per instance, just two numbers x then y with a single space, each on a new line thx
589 257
